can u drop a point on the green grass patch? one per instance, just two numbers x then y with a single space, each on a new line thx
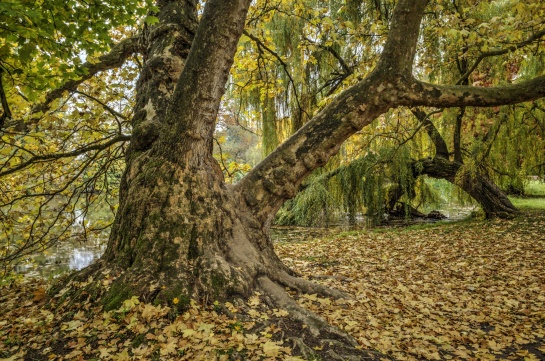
535 188
528 203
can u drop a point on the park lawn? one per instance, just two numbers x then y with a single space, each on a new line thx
472 290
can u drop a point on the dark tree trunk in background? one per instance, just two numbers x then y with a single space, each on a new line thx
490 197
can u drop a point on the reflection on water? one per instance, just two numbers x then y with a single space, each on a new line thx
81 258
62 258
75 255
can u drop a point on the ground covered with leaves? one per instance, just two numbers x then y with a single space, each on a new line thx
472 290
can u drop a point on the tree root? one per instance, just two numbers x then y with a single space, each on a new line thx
305 286
318 340
278 297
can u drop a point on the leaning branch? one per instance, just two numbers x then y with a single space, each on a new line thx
421 93
441 148
278 177
114 59
75 153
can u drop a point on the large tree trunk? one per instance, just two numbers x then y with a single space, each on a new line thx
180 230
490 197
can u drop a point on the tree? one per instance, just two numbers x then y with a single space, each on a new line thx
180 230
322 56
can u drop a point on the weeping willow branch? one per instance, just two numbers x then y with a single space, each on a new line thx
284 65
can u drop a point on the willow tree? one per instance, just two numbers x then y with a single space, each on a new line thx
180 230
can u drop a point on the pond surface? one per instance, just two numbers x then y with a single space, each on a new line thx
69 256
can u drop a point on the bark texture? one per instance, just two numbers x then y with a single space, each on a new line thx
490 197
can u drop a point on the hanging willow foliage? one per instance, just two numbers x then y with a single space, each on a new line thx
368 186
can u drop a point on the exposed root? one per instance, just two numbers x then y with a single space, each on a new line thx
278 297
305 286
305 350
316 339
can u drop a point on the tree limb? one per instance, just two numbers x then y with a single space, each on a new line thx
421 93
116 114
41 158
277 178
114 59
498 52
441 149
6 114
193 107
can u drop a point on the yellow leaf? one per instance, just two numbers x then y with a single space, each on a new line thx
271 349
130 303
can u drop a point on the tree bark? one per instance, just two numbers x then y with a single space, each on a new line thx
490 197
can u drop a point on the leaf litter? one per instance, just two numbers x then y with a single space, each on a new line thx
462 291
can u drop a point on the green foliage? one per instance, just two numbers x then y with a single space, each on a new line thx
42 43
57 196
361 187
313 206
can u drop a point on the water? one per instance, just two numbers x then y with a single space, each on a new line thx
71 256
62 258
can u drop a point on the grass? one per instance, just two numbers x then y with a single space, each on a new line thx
535 188
534 196
528 203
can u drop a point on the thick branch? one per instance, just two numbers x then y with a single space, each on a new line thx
75 153
114 59
6 113
421 93
400 48
457 141
278 176
206 71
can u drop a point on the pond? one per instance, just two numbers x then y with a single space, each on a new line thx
69 256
